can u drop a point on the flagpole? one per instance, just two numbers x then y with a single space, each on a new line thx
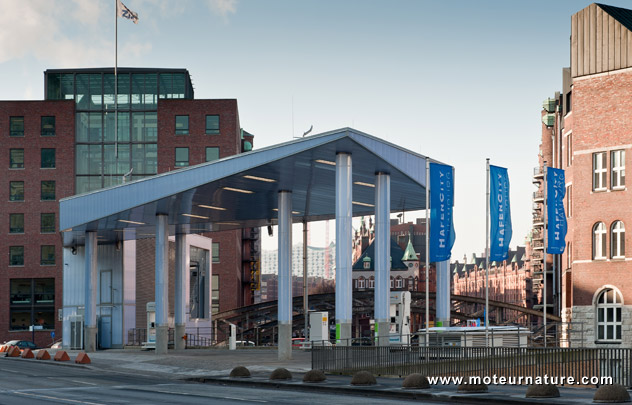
116 84
428 250
487 262
546 219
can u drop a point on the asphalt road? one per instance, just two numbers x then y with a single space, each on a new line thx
31 382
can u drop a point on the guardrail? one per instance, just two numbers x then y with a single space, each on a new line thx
398 360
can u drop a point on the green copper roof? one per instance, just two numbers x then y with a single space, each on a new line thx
515 259
524 257
409 253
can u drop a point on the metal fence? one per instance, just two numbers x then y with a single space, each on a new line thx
476 361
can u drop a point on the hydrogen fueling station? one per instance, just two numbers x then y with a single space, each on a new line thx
334 175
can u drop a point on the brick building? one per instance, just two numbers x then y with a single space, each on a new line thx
67 145
586 132
509 281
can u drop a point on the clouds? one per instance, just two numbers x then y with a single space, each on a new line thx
223 7
59 33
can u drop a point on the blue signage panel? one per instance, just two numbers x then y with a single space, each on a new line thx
442 235
555 191
500 214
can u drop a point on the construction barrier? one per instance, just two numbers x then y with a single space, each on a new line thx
14 351
42 355
27 354
61 355
82 358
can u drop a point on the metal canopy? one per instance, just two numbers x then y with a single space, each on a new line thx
241 190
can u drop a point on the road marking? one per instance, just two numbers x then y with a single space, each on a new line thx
83 382
58 399
207 396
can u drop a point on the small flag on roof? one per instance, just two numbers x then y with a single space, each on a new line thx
124 12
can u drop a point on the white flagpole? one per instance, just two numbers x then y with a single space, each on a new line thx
546 219
487 236
115 84
428 250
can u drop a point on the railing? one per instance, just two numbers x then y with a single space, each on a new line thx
538 195
538 171
138 336
476 361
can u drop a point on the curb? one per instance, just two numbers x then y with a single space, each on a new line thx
379 391
51 362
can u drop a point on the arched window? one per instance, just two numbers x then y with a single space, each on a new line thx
609 304
399 282
599 241
361 282
617 240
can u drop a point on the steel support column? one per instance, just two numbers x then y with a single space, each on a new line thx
344 240
443 293
285 275
182 264
162 284
90 311
382 257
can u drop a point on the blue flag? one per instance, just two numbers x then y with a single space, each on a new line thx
500 213
555 191
442 233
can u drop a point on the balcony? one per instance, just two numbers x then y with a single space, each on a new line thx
538 196
538 219
538 175
537 236
537 255
537 245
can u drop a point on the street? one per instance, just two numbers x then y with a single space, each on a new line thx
33 382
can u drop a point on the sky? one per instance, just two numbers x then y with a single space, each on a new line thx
459 81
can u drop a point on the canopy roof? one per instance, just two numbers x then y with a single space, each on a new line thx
241 190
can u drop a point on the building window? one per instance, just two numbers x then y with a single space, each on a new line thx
215 294
599 241
410 283
609 318
48 255
16 223
47 223
48 190
32 302
16 126
569 200
182 125
569 102
599 171
617 240
399 282
569 255
617 176
372 282
392 282
215 252
569 149
366 263
361 282
182 157
16 255
212 153
212 124
48 126
198 287
16 191
16 158
48 158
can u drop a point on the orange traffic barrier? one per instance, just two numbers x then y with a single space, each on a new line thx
82 358
3 348
61 355
14 351
42 355
27 354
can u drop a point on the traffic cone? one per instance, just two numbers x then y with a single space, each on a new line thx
27 354
82 358
61 355
42 355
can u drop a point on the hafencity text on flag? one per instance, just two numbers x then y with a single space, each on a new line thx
555 191
500 213
442 233
124 12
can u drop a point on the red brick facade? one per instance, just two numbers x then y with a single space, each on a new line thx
32 239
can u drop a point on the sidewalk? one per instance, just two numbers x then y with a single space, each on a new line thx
213 366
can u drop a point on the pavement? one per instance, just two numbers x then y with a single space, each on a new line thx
213 366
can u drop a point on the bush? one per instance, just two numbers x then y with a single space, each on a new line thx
314 376
611 393
281 374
